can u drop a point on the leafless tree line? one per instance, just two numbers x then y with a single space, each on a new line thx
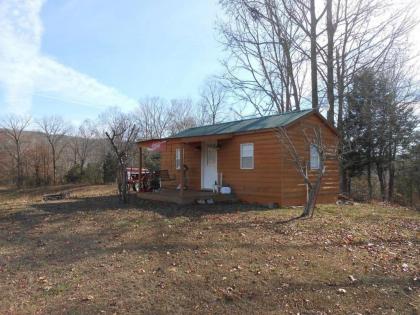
284 54
38 152
158 118
44 150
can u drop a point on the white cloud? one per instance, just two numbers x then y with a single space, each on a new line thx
25 72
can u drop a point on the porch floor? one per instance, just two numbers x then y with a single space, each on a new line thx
189 197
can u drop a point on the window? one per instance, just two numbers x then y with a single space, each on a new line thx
178 158
314 163
247 156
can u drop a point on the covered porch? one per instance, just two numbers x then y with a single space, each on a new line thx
189 169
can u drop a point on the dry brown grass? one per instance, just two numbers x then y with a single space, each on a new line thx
92 255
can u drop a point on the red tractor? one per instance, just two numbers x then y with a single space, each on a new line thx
148 181
134 181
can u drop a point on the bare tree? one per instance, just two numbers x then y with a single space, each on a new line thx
153 117
367 33
314 139
183 115
83 143
38 158
55 130
14 127
213 97
363 42
331 29
272 43
264 68
121 132
298 11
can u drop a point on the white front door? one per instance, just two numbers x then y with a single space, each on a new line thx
208 164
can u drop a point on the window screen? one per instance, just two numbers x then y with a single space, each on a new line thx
247 156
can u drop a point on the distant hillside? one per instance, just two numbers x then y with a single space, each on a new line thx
35 146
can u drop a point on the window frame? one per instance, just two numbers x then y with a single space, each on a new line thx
241 156
312 147
178 152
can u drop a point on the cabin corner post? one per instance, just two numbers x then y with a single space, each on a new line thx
182 179
140 161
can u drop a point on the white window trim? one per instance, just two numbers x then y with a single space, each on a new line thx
253 156
178 158
317 166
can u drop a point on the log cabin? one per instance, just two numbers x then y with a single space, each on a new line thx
247 157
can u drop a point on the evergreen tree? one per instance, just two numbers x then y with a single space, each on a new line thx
109 167
379 125
408 175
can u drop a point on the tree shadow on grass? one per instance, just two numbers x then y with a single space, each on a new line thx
6 192
168 210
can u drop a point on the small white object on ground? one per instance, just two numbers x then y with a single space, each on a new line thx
225 190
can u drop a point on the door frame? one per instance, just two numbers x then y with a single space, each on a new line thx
204 145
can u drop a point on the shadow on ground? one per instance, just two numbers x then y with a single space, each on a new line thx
169 210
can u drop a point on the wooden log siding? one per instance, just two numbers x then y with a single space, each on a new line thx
262 184
293 188
192 158
274 178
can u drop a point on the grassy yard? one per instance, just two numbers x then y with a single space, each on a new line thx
91 255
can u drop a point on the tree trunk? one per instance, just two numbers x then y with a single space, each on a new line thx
291 76
381 178
369 180
54 166
391 182
82 167
288 98
349 185
44 168
314 62
343 179
330 63
19 169
340 93
391 167
313 194
122 182
124 187
37 176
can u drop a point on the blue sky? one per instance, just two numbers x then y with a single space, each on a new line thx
76 57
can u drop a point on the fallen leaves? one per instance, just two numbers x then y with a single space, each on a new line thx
87 298
342 291
236 268
240 262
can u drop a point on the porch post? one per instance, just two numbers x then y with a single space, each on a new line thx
140 167
140 159
181 190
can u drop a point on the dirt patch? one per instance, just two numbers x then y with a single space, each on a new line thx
90 255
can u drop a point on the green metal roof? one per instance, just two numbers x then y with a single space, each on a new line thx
245 125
